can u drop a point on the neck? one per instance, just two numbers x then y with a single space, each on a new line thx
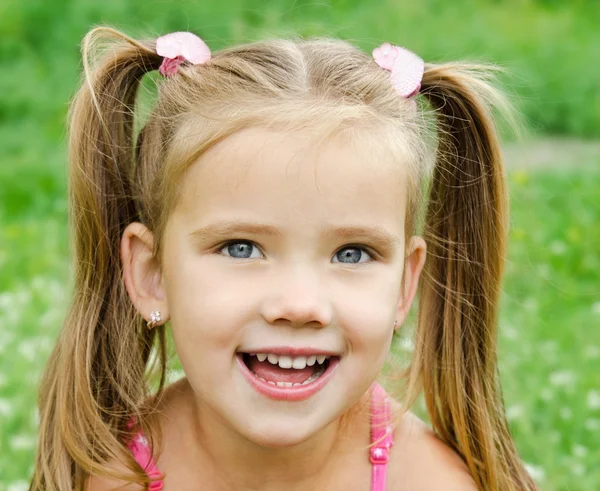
233 460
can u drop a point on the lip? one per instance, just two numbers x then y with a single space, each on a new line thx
291 394
289 351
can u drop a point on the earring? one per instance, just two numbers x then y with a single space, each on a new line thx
395 322
154 319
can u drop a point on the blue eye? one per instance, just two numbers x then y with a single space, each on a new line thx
348 254
242 249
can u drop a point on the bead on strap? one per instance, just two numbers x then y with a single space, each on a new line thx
382 436
141 452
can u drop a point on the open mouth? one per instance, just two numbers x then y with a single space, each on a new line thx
285 371
287 377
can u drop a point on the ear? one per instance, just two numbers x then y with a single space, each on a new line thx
417 250
141 275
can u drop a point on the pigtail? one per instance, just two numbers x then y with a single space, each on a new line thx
95 377
466 230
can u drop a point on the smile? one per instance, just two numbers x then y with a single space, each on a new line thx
285 377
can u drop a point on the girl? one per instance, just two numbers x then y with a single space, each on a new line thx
268 209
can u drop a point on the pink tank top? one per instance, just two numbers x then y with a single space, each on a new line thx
382 437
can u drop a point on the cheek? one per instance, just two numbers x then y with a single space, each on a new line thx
206 307
370 337
368 316
204 332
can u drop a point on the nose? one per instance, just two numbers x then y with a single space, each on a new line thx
298 300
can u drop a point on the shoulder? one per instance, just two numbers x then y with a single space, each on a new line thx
169 403
421 461
98 483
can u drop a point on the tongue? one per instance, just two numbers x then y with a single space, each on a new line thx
274 373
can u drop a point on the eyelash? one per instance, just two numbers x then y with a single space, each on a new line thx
372 254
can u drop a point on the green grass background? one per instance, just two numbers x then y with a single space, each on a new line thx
549 337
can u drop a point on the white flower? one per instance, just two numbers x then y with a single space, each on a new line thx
566 413
579 450
537 473
515 412
22 442
5 408
558 248
593 399
18 486
562 378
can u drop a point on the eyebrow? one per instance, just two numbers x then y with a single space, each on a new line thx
228 228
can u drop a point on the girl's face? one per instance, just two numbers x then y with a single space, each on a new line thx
273 248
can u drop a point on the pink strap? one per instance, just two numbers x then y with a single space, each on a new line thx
141 453
382 436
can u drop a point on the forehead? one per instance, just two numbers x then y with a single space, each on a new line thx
295 173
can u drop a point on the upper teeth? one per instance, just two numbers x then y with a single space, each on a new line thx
297 362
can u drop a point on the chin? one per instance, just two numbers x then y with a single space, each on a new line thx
280 431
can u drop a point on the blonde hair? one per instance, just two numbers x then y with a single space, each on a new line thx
97 377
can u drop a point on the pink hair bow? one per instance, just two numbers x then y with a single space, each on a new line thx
179 47
406 67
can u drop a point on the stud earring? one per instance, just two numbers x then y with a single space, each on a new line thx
154 319
395 322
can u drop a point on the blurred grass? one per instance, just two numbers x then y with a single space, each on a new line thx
550 344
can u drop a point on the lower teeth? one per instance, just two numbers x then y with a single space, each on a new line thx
310 379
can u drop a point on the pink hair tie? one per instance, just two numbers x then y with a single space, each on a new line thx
179 47
406 68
